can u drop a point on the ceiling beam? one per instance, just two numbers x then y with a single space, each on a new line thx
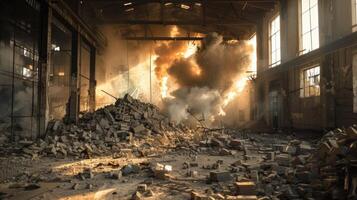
174 22
183 1
169 38
164 38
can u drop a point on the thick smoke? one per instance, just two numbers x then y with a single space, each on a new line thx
218 63
205 78
201 102
167 53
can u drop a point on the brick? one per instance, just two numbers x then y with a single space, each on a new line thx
142 187
245 188
220 176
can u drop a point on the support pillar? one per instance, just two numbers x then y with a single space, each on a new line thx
92 81
326 92
73 102
43 63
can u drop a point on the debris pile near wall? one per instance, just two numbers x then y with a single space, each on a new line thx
107 130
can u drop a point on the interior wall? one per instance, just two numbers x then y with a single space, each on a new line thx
334 106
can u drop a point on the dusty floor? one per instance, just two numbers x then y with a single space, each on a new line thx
60 178
59 175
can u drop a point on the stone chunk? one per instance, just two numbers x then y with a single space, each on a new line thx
220 176
139 129
162 171
283 159
142 188
130 169
198 196
245 188
216 143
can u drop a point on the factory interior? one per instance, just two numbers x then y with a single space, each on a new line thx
178 99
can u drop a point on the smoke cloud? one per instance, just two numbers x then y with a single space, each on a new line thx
217 64
195 101
205 78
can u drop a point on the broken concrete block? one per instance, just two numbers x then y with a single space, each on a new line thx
109 116
150 193
162 171
242 197
32 186
225 152
137 196
198 196
305 148
75 186
351 132
130 169
142 188
139 129
283 159
216 143
128 98
104 123
236 144
270 156
220 176
117 174
125 135
89 186
245 188
193 174
290 149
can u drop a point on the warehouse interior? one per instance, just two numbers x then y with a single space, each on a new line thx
178 99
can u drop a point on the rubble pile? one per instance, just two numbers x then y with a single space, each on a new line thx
107 130
334 164
213 163
284 167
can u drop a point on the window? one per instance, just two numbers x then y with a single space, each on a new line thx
309 26
274 42
354 15
310 82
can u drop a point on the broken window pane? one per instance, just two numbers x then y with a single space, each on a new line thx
311 82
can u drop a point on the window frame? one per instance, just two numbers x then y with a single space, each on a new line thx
304 79
270 36
354 15
302 49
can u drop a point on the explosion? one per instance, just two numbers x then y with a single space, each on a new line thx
190 78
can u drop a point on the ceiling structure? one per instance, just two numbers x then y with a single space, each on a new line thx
150 20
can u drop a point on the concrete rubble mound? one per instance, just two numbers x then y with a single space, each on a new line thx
198 164
105 131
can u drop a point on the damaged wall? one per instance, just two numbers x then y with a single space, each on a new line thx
334 106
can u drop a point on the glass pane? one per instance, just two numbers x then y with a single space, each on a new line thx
278 40
23 95
278 55
272 28
273 43
277 22
60 74
306 42
304 5
314 17
313 3
306 22
6 48
315 39
84 77
6 96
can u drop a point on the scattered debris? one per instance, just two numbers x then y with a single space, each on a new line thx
237 165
